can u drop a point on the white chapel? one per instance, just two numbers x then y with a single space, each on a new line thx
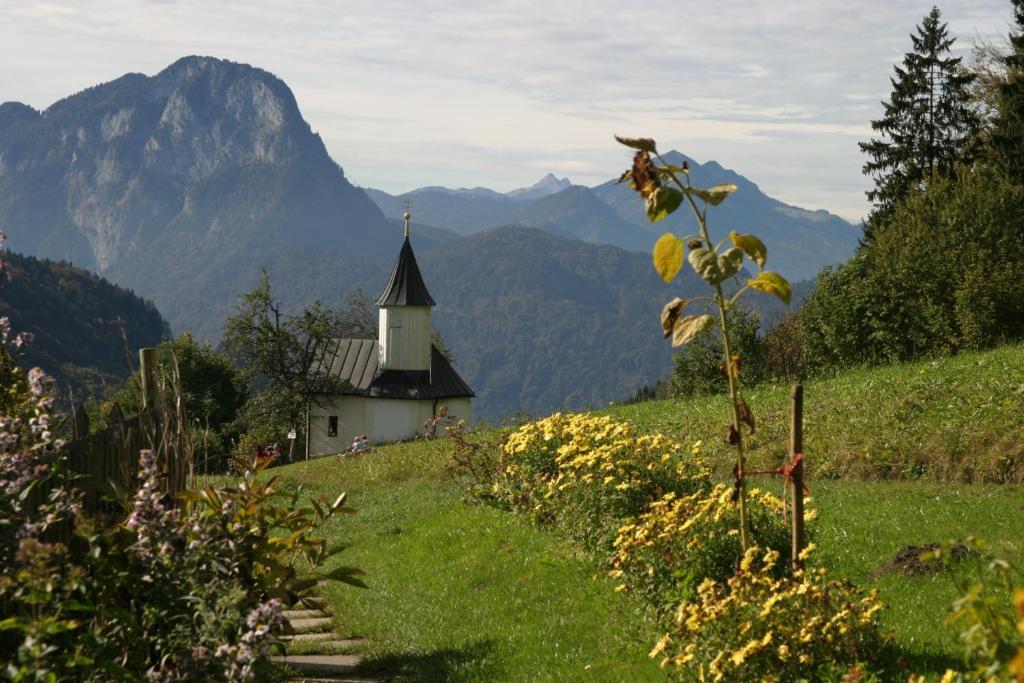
396 382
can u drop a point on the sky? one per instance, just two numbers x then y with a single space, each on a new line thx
497 94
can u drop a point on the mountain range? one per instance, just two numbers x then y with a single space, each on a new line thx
181 186
800 242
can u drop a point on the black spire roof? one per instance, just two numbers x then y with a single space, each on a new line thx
405 287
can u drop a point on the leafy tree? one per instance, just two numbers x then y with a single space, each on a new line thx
277 354
698 368
782 348
928 123
1008 132
942 275
211 385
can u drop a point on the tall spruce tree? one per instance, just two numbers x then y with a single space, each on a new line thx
928 124
1008 132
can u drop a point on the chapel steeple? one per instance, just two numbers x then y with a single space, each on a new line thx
404 332
405 287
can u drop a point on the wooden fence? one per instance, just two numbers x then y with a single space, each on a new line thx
106 462
104 465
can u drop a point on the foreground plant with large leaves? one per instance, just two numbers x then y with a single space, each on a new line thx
665 188
165 593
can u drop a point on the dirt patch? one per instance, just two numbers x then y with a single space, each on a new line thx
907 560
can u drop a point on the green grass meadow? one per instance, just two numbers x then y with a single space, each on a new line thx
459 591
463 592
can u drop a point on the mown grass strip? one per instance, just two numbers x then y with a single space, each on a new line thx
461 591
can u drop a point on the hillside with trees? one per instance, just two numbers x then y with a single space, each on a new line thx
941 268
84 328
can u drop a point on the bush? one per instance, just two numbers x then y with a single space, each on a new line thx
763 625
588 474
989 615
185 593
672 535
682 540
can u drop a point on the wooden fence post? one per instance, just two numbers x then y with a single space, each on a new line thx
79 422
796 447
147 375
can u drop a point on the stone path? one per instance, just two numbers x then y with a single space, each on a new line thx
323 658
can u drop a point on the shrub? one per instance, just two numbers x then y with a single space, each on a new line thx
942 275
990 618
588 473
761 625
185 593
682 540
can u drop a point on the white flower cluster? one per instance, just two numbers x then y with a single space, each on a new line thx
254 643
154 523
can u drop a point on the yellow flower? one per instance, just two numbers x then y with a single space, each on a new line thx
1016 665
660 646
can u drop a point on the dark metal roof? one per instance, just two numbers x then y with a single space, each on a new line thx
356 362
351 360
405 287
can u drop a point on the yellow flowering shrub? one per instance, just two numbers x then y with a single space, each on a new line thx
589 473
682 540
763 625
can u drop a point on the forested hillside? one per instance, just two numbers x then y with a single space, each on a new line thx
80 323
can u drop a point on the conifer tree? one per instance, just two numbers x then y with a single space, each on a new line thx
1008 132
928 123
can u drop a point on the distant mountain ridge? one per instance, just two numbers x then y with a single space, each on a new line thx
800 242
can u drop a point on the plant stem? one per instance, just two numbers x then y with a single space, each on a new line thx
734 389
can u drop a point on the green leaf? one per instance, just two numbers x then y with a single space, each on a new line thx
662 202
689 327
705 263
670 314
772 283
668 256
751 246
729 262
642 144
714 195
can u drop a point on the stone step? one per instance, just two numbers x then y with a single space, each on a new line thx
323 636
321 665
311 624
328 646
293 614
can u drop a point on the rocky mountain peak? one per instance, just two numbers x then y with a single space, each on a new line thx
549 184
206 153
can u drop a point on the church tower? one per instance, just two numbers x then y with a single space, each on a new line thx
404 333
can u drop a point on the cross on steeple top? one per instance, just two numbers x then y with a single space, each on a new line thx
407 216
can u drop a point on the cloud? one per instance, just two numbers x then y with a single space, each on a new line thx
461 93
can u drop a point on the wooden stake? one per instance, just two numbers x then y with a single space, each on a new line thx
796 445
79 422
147 374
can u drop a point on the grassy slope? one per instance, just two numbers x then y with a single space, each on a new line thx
863 524
955 419
460 591
464 592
